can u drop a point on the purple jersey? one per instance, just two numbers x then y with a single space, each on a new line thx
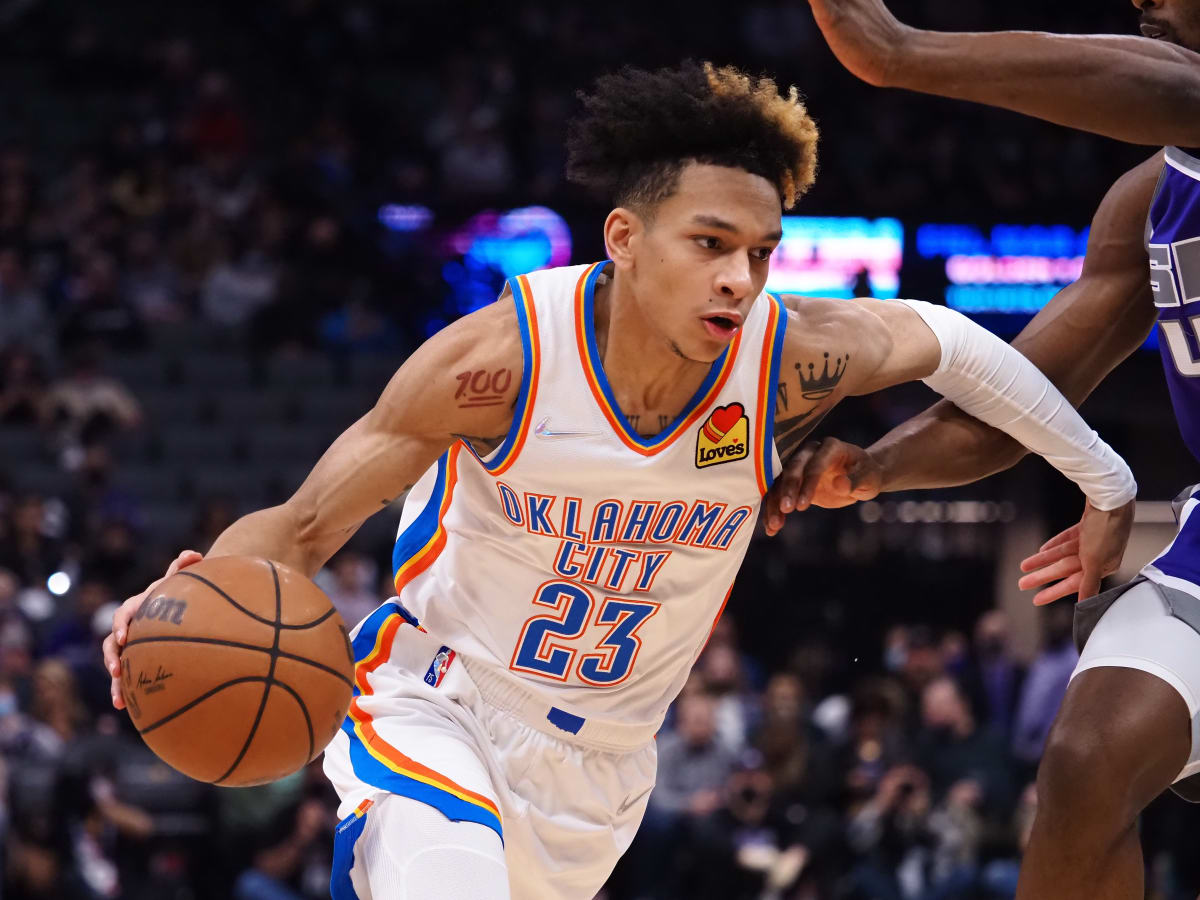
1174 243
1173 232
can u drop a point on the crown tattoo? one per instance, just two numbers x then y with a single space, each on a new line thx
818 387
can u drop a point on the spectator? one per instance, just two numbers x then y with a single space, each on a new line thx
31 550
288 851
953 749
22 387
694 762
720 669
876 742
24 317
889 833
86 405
237 285
151 284
1046 684
693 767
72 641
97 313
993 679
765 848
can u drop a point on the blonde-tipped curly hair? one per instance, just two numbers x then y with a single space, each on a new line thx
638 129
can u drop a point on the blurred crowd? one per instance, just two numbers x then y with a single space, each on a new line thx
916 782
216 171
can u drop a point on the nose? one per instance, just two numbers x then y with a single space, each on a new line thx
735 281
1144 5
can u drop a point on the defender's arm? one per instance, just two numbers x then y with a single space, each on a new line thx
898 341
1076 340
1129 88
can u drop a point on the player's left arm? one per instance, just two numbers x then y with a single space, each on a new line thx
899 341
1126 87
990 380
838 348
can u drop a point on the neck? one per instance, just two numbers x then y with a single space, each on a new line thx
642 365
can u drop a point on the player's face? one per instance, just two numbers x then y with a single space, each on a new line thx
1175 21
704 257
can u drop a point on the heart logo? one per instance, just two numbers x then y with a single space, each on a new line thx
725 417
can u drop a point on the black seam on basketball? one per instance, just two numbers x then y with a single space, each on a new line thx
249 679
307 718
262 704
282 654
255 616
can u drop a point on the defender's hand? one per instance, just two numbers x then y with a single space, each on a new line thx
865 37
1081 556
828 473
124 615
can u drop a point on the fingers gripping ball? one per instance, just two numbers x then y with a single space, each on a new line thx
237 671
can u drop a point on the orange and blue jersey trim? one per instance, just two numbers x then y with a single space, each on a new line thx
506 454
593 370
425 537
375 761
381 765
345 836
768 380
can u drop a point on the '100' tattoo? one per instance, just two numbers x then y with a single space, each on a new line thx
482 388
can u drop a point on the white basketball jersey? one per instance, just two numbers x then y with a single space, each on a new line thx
585 560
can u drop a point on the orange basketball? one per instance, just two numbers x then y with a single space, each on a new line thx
237 671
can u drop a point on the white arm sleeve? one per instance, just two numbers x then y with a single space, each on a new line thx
991 381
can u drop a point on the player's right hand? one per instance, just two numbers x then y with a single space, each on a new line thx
124 615
828 473
865 37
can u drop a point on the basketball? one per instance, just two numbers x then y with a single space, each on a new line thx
237 671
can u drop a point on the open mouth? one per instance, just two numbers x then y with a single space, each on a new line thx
1154 29
722 327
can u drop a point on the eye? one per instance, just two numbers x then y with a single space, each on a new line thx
708 242
763 253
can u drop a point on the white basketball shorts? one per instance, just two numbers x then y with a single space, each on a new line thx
566 805
1139 631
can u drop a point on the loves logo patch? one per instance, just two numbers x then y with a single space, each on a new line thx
724 436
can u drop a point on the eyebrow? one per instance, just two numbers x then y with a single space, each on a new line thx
714 222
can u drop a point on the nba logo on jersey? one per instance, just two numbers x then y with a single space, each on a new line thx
724 437
438 668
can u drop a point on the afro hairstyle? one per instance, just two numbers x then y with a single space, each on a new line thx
638 129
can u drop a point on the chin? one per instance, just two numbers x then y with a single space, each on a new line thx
696 353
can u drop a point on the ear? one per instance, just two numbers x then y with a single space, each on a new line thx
623 233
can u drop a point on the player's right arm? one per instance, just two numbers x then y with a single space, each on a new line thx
437 397
1130 88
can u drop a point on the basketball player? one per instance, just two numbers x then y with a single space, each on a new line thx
1130 723
586 460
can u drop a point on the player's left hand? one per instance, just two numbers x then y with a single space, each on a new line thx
1077 559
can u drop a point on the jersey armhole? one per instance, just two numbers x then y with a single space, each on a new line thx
501 459
766 461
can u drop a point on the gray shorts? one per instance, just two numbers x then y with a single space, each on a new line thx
1153 627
